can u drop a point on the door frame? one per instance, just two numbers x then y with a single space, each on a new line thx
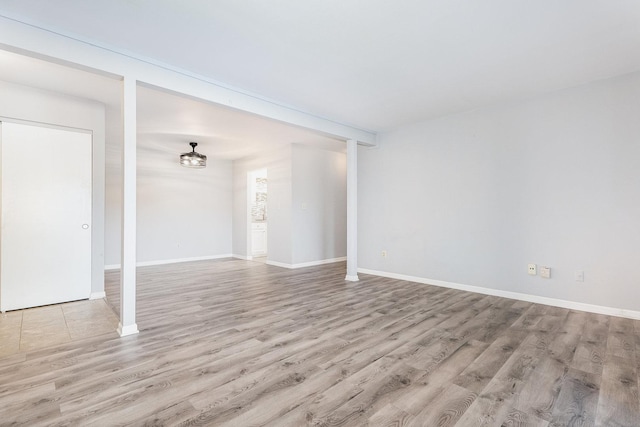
251 178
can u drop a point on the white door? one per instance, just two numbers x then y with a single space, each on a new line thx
45 240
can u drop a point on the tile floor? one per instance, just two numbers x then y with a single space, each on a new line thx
39 327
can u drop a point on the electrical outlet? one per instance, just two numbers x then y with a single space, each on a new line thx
384 254
532 270
579 276
545 272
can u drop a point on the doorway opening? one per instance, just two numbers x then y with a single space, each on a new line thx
257 215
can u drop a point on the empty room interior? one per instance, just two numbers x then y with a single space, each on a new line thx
414 213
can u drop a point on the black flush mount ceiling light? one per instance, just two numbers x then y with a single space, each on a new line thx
193 159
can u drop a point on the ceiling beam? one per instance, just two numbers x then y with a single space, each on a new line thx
25 38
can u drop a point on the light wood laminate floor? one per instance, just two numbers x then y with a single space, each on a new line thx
231 342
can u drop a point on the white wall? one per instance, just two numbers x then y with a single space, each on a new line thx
182 213
24 103
278 165
298 175
472 198
319 204
113 212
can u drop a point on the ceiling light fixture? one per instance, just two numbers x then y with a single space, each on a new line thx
193 159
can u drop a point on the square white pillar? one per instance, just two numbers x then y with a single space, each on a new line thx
352 210
128 324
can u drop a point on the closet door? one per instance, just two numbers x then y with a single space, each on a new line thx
45 241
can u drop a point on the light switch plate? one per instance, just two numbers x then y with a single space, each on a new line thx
545 272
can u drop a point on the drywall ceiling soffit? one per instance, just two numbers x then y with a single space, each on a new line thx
375 67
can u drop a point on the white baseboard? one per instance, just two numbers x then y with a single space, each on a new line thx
244 257
279 264
306 264
97 295
351 278
572 305
170 261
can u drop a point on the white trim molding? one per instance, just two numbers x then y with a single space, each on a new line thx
123 331
171 261
572 305
244 257
97 295
306 264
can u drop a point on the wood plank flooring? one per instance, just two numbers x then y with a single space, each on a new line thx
238 343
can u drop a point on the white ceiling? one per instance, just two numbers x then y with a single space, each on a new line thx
374 64
166 122
165 119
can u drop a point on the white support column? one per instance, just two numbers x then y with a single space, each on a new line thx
128 324
352 210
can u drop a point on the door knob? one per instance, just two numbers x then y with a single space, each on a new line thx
85 226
